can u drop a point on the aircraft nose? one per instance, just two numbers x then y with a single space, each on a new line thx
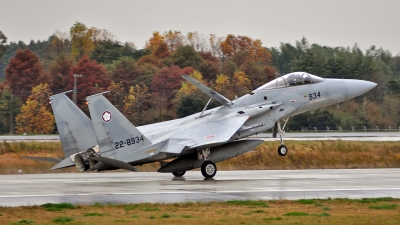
358 87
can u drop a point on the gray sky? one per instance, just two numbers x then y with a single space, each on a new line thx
330 23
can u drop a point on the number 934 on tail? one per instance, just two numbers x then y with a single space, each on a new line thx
110 141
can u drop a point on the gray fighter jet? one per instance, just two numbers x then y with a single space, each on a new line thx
110 141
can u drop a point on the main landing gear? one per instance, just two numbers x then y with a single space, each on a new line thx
208 168
179 173
282 149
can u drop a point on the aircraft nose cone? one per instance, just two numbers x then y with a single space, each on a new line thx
358 87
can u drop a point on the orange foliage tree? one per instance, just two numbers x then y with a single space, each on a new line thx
158 46
35 117
233 45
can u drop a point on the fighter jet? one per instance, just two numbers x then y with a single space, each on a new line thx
110 141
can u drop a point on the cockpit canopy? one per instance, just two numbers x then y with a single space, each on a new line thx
292 79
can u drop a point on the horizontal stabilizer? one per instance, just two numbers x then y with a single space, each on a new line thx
43 159
115 163
67 162
208 91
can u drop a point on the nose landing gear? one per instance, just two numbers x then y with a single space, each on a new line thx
282 149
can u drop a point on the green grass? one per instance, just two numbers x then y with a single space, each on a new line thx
187 216
25 222
322 214
131 206
248 203
151 209
348 211
273 218
57 206
296 214
384 207
164 216
63 219
258 211
305 201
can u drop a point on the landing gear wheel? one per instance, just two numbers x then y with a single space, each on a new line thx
208 169
282 150
179 173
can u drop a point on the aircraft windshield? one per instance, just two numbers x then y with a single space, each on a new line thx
292 79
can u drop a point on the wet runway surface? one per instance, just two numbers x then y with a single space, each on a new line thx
129 187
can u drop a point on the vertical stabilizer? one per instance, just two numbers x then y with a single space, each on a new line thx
116 135
74 127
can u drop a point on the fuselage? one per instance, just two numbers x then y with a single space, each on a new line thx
281 98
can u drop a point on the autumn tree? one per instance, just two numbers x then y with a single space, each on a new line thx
3 41
197 41
174 39
23 72
59 71
41 93
58 44
254 50
189 99
147 74
238 85
215 45
93 79
9 109
108 51
35 116
163 87
34 119
186 56
223 86
241 84
210 66
158 46
168 80
134 103
125 71
117 94
81 40
102 35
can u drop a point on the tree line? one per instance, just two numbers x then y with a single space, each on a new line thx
147 87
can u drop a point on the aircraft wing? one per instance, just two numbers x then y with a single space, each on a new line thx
210 133
208 91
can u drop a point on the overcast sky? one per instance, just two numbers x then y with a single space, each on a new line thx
330 23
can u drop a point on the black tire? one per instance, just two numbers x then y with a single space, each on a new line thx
208 169
179 173
282 150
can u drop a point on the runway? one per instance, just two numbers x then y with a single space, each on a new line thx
130 187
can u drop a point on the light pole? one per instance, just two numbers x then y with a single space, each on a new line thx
74 93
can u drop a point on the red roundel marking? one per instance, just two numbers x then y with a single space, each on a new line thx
209 137
106 116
